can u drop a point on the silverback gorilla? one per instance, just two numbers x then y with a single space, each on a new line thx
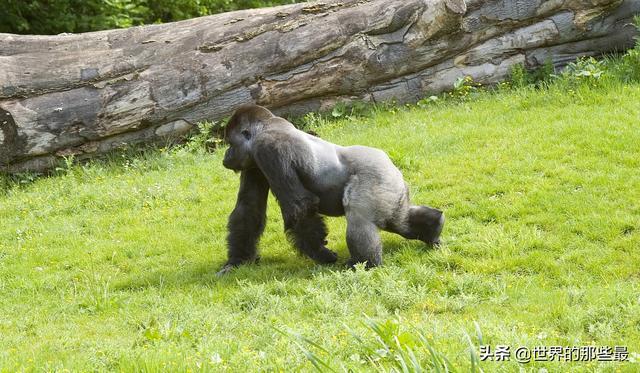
309 177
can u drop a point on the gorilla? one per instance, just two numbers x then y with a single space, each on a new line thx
310 177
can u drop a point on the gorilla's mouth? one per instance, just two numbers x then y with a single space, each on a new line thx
229 166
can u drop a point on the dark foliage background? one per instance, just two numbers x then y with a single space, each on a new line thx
56 16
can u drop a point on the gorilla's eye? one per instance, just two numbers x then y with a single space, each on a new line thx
246 134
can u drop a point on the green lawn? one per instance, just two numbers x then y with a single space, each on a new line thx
111 266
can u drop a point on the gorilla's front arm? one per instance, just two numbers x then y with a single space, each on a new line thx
299 206
295 200
247 221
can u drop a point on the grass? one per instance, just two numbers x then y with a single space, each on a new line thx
111 265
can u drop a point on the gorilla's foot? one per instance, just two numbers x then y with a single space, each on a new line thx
225 269
351 263
435 240
368 264
324 256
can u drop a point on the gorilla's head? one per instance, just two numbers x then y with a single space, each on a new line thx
244 125
425 224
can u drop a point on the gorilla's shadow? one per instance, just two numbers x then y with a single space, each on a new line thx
269 268
393 244
206 274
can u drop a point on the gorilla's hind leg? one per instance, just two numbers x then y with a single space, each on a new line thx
309 235
363 240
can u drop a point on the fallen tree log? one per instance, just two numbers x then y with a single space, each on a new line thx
86 94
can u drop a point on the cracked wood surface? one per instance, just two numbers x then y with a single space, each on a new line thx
86 94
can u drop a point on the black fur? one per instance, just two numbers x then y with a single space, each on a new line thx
248 219
308 235
309 176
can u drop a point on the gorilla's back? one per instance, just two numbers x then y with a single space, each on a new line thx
376 187
324 174
358 174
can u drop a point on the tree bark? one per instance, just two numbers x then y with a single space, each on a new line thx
86 94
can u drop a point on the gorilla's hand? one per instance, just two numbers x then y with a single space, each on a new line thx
230 265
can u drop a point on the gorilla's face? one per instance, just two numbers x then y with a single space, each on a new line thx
238 157
426 224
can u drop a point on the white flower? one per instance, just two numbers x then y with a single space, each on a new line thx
216 359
